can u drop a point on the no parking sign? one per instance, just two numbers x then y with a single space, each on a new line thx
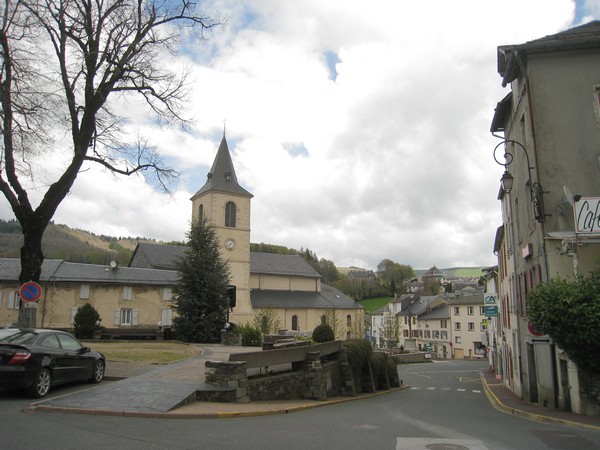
30 292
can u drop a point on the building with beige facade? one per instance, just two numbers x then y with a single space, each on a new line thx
548 127
136 299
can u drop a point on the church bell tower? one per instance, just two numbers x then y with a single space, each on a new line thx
226 206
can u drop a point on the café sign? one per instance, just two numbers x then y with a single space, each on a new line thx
587 215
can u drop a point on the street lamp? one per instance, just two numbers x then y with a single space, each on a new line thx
507 181
535 189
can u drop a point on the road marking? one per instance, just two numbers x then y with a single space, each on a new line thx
403 443
433 388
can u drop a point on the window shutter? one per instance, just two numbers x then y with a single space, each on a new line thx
73 312
166 317
11 300
127 293
84 291
117 316
167 294
1 298
134 318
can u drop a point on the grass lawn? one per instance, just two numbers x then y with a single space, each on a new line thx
149 352
373 304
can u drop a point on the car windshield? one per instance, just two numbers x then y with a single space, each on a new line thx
22 337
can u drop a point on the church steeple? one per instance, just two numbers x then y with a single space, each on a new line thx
222 175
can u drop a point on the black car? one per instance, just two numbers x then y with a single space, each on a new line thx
36 359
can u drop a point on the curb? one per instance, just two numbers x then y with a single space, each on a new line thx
497 404
217 415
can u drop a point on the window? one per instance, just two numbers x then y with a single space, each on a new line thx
126 316
444 334
201 213
443 324
481 311
436 334
167 294
457 340
68 342
470 310
295 322
84 292
457 310
471 326
50 342
127 293
323 320
349 320
457 326
230 215
427 334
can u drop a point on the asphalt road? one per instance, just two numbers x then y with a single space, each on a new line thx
445 408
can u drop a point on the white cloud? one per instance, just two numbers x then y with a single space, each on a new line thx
398 157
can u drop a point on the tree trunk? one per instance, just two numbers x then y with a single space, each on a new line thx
32 258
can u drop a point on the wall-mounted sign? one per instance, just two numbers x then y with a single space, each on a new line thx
490 311
490 298
587 215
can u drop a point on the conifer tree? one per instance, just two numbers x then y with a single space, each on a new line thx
200 297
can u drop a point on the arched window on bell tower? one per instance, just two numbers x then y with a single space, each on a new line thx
201 213
230 214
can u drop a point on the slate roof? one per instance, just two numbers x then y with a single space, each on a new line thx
417 305
164 257
156 256
329 297
475 299
55 270
275 264
439 312
222 175
582 37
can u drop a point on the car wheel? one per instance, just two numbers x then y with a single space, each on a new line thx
98 371
41 384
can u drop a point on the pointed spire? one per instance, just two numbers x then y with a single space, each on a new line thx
222 175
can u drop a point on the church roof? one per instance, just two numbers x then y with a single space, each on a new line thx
276 264
222 175
157 256
328 297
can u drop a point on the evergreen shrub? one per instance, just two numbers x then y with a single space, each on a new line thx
323 333
251 336
86 321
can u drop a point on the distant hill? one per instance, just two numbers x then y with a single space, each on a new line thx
62 242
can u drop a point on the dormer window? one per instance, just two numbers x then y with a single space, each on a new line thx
228 176
209 176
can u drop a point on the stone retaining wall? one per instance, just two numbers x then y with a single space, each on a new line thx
227 381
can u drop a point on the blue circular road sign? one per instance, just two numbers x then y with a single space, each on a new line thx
30 291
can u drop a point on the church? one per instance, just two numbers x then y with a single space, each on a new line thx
135 299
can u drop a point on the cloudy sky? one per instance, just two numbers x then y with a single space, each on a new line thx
361 128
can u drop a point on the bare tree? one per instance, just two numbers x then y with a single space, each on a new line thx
63 64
